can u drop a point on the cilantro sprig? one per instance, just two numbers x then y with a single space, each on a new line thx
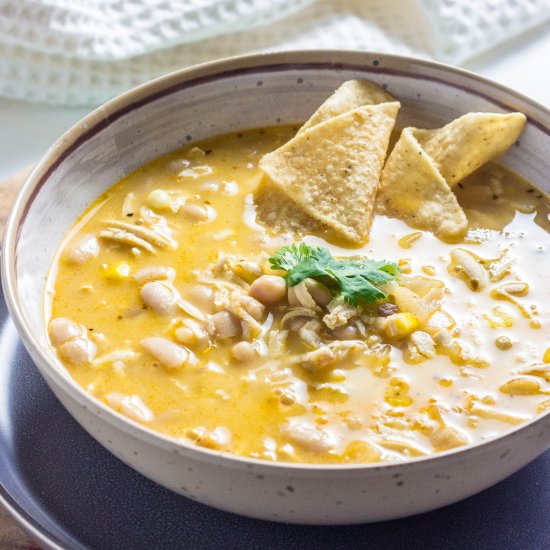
356 279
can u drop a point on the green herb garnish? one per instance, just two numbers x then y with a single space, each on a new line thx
356 279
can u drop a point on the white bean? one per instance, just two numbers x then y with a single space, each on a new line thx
62 329
130 405
169 354
198 213
345 332
319 292
253 307
268 289
78 351
158 199
159 297
313 439
84 249
225 325
203 297
304 297
244 352
192 334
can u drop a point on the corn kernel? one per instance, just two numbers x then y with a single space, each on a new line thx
397 393
546 356
117 272
446 382
400 325
405 265
158 199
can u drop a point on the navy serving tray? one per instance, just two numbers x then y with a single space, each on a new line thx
69 492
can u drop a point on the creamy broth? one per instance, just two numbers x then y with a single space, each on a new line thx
378 403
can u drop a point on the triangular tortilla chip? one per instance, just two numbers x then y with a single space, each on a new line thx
466 143
276 211
331 170
413 189
352 94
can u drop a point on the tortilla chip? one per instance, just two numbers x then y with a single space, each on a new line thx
466 143
276 211
331 170
351 95
413 189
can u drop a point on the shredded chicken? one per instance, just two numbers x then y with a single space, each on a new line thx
309 333
125 237
328 355
136 235
340 313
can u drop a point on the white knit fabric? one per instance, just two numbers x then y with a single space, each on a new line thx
83 52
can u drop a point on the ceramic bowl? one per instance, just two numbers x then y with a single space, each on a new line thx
220 97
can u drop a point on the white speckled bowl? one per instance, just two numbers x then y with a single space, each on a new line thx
197 103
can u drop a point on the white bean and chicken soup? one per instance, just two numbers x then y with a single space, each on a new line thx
294 295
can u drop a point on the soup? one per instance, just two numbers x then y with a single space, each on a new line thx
172 302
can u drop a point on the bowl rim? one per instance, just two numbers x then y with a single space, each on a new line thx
164 85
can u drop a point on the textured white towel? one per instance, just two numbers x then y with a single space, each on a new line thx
83 52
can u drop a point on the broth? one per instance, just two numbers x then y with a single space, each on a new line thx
382 402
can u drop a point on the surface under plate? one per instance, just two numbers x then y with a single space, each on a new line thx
75 494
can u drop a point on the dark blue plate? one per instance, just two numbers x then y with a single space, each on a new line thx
70 492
